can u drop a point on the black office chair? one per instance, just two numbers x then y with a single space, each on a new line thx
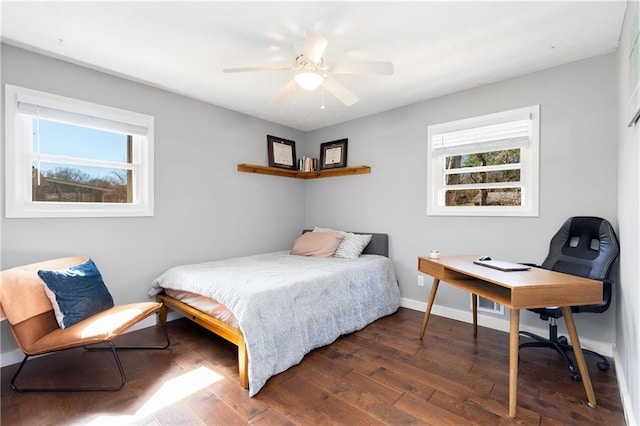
586 247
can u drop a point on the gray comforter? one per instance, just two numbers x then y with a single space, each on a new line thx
288 305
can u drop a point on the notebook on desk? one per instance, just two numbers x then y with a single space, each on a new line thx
502 265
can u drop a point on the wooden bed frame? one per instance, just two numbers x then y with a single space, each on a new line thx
379 245
216 326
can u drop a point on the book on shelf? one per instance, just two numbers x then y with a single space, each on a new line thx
307 164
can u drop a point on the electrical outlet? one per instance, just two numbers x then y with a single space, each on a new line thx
420 281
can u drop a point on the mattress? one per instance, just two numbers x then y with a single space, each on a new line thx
208 305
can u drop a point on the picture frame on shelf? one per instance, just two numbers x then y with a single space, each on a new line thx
333 155
281 152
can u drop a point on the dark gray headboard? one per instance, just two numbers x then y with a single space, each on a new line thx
379 243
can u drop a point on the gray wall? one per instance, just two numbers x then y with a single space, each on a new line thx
204 208
578 162
627 331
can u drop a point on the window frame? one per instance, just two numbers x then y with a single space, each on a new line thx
20 155
529 165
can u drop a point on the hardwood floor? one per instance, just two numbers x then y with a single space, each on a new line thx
382 374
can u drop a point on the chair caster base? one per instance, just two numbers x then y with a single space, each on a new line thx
574 373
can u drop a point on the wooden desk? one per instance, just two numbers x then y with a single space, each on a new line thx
535 288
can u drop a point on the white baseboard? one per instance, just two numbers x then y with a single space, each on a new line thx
496 323
627 403
16 356
10 358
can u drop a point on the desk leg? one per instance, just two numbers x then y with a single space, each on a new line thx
432 297
474 302
514 339
577 351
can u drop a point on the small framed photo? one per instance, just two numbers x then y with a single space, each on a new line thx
333 154
282 152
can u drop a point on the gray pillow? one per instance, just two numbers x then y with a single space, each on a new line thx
352 246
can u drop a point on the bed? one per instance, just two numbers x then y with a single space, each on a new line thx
277 307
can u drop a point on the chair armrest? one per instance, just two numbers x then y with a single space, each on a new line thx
606 299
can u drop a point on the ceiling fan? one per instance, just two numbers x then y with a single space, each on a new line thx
311 71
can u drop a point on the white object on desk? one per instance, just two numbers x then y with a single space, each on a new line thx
502 265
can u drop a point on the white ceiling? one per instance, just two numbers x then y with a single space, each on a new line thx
437 48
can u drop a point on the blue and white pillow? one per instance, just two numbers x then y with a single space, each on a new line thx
76 293
351 246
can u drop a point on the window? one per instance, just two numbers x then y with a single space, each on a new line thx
485 166
70 158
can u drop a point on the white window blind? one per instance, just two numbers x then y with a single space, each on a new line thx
76 114
512 134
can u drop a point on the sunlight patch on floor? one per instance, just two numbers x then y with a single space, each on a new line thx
171 391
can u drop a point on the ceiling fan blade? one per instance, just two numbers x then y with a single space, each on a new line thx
283 93
252 69
314 46
343 94
372 68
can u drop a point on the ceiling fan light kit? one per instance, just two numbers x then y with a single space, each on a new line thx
308 80
310 71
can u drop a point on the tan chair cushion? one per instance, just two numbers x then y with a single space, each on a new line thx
101 327
23 283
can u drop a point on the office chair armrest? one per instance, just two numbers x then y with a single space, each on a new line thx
606 299
606 286
533 265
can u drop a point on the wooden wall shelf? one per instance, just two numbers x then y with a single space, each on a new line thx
275 171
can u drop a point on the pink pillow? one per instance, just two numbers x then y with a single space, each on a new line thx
319 244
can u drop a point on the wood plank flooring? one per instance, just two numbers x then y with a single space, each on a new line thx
382 374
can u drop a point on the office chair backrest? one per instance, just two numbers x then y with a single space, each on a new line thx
584 246
587 247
